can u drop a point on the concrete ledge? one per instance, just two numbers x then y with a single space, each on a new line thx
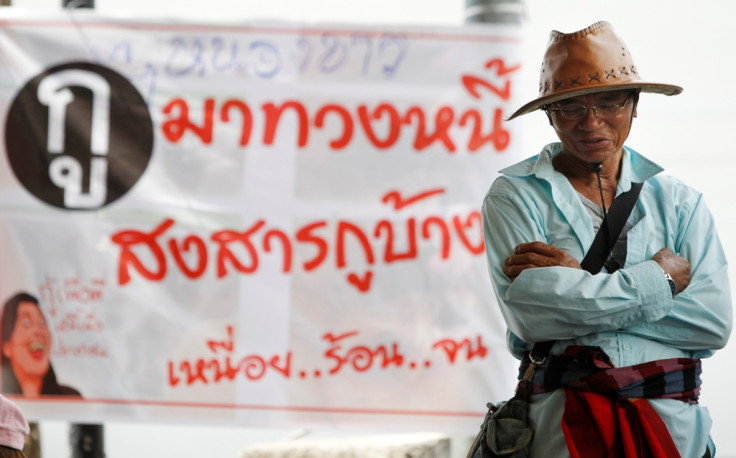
383 446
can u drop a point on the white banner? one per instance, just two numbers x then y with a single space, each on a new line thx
270 225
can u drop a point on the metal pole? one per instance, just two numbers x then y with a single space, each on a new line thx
494 11
87 441
78 3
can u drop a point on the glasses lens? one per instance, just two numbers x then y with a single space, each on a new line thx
573 112
608 111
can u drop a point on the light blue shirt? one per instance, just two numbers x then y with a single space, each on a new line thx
631 313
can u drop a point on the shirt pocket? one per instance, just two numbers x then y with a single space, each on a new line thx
644 239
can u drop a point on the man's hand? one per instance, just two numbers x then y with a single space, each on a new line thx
537 254
677 266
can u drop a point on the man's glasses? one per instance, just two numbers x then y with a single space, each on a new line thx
576 112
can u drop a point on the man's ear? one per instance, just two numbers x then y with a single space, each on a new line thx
549 117
636 104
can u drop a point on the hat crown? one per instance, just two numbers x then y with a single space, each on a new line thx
590 58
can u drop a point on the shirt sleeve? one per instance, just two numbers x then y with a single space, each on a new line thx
558 303
701 318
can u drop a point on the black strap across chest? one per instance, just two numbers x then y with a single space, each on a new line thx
610 229
606 237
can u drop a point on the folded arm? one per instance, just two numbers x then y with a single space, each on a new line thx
545 295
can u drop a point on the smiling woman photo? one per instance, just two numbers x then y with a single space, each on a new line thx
26 350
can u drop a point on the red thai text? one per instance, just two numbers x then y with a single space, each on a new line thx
152 255
440 126
345 351
223 364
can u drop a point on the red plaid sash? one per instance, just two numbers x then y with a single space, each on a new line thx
606 411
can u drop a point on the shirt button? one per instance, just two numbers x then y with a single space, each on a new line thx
627 347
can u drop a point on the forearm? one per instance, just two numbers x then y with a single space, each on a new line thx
700 319
558 303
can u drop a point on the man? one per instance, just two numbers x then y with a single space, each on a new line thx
622 376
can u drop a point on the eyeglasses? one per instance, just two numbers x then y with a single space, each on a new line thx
576 112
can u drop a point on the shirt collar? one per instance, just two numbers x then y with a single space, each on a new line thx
635 167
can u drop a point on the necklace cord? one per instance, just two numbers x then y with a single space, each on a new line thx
598 169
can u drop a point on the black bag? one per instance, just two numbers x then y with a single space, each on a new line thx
505 431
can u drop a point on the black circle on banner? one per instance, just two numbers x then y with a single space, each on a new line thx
78 136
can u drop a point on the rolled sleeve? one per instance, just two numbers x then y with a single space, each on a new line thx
656 297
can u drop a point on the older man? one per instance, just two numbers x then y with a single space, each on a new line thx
624 341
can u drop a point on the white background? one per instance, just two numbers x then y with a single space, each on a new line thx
692 135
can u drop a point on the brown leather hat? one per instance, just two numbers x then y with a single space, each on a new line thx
592 60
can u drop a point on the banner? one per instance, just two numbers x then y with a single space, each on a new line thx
261 224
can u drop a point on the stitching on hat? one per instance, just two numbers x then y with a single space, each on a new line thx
591 79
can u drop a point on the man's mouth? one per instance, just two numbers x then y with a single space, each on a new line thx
594 141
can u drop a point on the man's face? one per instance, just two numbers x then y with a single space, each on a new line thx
594 137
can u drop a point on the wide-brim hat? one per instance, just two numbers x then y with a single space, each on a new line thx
591 60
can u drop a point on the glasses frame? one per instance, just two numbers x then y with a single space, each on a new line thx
560 110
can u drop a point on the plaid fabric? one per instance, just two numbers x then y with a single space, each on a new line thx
606 409
589 369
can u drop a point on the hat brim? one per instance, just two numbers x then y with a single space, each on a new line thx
659 88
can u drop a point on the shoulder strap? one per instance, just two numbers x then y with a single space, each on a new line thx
599 250
610 229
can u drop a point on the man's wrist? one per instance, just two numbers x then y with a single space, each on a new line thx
671 282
